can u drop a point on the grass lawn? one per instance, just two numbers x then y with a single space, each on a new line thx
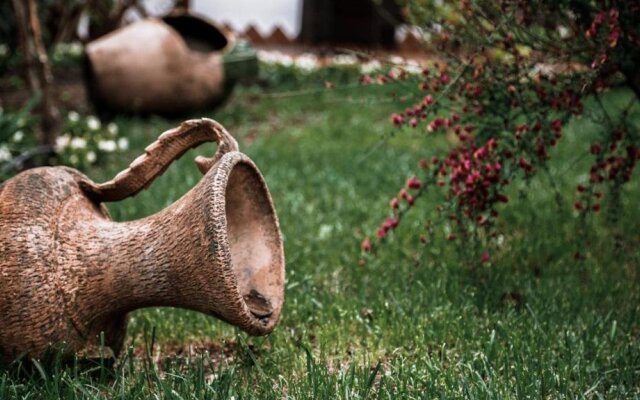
413 322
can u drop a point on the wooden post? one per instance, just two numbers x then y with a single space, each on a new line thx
37 71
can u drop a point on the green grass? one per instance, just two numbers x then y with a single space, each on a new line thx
412 322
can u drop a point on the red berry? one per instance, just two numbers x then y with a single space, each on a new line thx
414 183
397 119
366 80
366 245
390 223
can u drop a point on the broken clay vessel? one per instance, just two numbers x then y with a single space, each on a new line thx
169 65
69 274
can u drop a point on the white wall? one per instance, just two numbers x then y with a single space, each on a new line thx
263 14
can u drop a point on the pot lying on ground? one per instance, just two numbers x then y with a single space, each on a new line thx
70 274
172 65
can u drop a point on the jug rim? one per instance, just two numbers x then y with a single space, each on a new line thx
218 223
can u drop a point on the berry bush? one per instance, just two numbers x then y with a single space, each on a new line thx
508 78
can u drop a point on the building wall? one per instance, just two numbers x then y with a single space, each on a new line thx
263 14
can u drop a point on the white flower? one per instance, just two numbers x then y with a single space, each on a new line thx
63 49
324 231
91 157
345 59
266 57
112 128
413 67
78 143
396 71
4 49
108 146
397 60
73 116
18 136
286 61
307 62
5 154
75 49
93 123
73 159
370 66
123 143
263 56
63 141
275 57
564 32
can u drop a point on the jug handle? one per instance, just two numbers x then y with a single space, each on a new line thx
157 157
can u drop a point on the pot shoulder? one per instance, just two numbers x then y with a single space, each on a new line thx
33 197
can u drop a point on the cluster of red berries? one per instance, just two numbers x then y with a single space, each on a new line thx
614 164
399 204
436 82
475 178
397 73
396 204
611 17
419 111
614 168
586 198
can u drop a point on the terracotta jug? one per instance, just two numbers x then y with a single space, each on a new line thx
147 65
68 273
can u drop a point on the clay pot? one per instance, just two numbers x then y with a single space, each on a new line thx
172 65
68 273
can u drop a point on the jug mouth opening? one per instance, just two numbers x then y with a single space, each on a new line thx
199 35
254 243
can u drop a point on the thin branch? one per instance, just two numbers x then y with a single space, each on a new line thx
38 70
19 161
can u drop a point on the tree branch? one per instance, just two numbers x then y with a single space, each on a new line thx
37 71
